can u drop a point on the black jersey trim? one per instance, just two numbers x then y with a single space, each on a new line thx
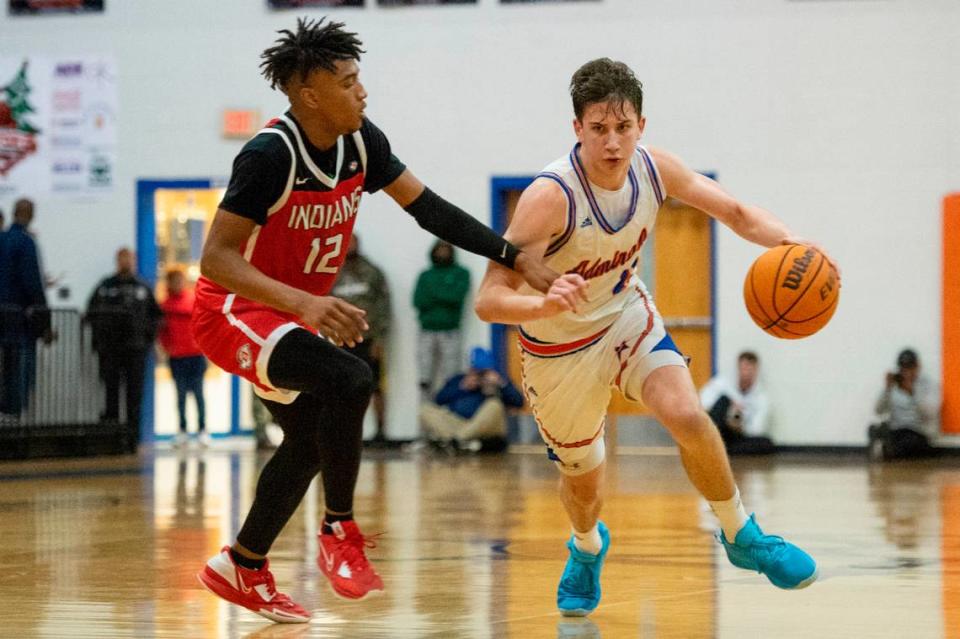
362 150
326 180
293 172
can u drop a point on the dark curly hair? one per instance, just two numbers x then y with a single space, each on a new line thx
604 80
315 45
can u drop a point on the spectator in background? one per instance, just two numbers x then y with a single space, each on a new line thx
439 296
740 410
470 409
187 363
24 316
909 410
124 316
362 284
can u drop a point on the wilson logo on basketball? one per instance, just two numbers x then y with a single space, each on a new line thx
791 291
795 275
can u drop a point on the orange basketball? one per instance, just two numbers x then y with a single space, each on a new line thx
791 291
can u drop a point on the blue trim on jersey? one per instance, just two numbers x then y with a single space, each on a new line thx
552 456
571 214
666 344
591 198
654 175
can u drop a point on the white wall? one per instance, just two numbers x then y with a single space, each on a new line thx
842 117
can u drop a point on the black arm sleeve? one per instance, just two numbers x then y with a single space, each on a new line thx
450 223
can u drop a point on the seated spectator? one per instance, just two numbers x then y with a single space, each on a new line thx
470 409
740 410
909 413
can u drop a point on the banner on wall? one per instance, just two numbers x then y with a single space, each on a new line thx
297 4
57 125
19 7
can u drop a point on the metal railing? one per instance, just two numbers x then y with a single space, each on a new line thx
50 386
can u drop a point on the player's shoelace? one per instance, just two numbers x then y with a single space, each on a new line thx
767 550
578 581
353 550
277 598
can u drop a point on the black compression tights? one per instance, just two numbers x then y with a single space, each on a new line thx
322 432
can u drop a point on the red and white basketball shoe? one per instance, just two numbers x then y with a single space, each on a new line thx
253 589
343 561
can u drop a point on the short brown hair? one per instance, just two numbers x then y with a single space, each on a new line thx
604 80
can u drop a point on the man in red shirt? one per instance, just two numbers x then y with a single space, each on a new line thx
264 309
187 363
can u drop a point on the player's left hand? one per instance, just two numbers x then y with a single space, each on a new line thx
814 245
537 274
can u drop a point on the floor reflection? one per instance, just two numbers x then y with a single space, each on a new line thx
474 547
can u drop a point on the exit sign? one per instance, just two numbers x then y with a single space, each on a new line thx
240 123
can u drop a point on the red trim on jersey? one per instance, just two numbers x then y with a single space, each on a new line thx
643 335
553 440
544 349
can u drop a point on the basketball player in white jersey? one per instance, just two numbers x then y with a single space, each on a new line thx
588 214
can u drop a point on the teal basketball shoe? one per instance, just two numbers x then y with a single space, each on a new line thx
579 590
785 565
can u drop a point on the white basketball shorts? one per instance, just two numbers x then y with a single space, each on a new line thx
569 385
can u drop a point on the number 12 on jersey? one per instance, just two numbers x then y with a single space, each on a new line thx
323 266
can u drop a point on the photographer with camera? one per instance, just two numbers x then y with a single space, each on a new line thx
740 411
909 410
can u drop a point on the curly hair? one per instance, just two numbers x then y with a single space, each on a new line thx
604 80
313 46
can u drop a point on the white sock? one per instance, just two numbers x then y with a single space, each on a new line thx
588 542
731 514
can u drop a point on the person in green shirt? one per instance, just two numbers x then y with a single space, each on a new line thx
439 297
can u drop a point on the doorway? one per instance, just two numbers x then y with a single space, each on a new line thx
173 218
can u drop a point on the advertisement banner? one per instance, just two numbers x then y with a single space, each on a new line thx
299 4
30 7
57 125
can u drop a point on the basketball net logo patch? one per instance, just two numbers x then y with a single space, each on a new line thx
245 357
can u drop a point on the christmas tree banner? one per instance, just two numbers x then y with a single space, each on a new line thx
57 125
54 6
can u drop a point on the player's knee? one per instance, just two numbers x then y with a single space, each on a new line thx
584 494
358 383
686 420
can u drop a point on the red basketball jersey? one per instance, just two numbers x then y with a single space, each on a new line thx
307 231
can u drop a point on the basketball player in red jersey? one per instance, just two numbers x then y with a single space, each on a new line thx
278 239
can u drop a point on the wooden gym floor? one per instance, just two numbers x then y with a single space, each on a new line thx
474 547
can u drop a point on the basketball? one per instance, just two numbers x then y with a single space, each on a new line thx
791 291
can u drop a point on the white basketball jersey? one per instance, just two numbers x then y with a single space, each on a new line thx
604 233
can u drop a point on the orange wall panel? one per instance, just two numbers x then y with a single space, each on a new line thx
951 314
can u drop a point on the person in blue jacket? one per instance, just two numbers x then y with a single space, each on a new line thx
470 409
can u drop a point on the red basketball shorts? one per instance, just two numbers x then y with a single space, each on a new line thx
239 336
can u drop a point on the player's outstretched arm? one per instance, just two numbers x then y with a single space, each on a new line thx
750 222
450 223
222 262
540 214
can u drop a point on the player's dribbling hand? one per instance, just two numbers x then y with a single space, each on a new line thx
537 274
804 242
565 294
342 322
